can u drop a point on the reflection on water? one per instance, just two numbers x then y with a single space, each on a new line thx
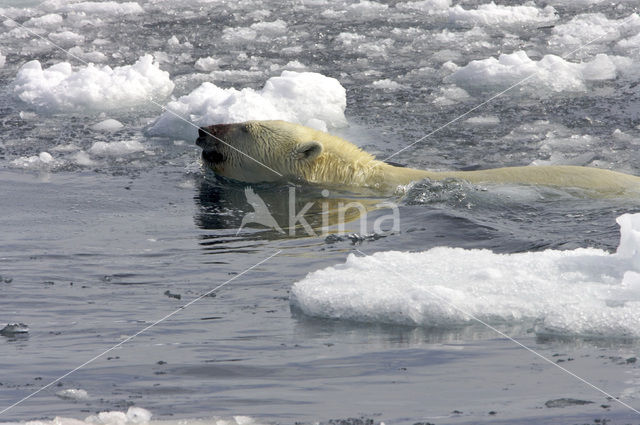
274 211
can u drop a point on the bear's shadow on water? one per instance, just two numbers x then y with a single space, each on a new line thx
268 211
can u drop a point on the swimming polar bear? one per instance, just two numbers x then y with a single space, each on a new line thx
264 151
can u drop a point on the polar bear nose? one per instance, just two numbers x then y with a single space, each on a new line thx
217 131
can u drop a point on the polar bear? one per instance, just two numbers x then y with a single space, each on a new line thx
263 151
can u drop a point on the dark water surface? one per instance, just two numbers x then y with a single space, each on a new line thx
92 254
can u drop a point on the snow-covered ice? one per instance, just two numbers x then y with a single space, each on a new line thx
73 394
123 147
105 8
493 14
107 125
581 292
549 74
44 161
61 88
293 96
137 416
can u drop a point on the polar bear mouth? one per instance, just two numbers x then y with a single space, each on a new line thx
212 157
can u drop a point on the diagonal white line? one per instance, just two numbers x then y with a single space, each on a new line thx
150 100
499 332
141 331
503 92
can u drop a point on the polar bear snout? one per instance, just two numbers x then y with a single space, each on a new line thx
214 132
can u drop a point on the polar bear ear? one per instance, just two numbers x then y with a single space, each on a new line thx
308 150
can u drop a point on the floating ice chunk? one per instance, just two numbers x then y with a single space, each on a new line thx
604 67
173 41
107 125
365 8
13 329
207 64
59 88
450 96
43 161
483 120
138 416
593 28
289 66
551 73
349 38
579 292
106 8
83 159
263 29
576 3
238 35
66 38
628 45
121 148
317 124
387 84
294 96
44 21
95 56
236 75
493 14
134 416
174 44
73 394
277 27
3 59
427 6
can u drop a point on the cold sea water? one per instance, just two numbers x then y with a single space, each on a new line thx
109 224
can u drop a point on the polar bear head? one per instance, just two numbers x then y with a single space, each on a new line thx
263 151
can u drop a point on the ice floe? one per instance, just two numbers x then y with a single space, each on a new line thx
550 74
293 96
586 292
91 88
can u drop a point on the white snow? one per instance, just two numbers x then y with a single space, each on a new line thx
493 14
94 88
579 292
3 60
120 148
551 73
293 96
